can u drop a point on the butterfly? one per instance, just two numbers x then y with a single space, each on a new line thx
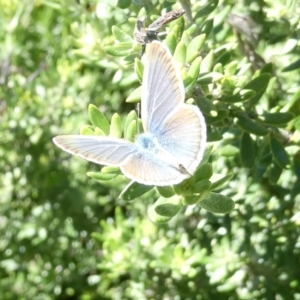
172 144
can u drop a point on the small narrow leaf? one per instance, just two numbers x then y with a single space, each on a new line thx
207 152
194 199
171 42
135 96
98 119
123 3
207 9
121 36
166 191
102 176
201 186
217 203
121 49
168 207
204 172
86 130
279 154
131 131
221 115
251 126
293 66
115 127
279 118
207 62
274 172
180 53
229 150
155 217
242 96
139 68
134 190
259 83
208 78
193 72
130 117
214 136
217 184
99 132
194 47
207 27
247 150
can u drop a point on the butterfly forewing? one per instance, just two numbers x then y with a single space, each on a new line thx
162 88
100 150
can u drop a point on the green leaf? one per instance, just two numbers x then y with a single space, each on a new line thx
204 172
98 119
229 150
217 203
231 68
194 199
251 126
221 115
217 184
210 77
130 117
207 9
201 186
207 63
99 132
155 217
134 190
191 29
242 96
131 131
279 118
194 47
168 207
171 42
279 154
176 31
139 69
247 150
103 176
121 36
267 68
293 66
166 191
207 152
177 26
274 172
124 3
192 74
259 83
135 96
207 27
115 126
293 105
121 49
180 53
214 136
86 130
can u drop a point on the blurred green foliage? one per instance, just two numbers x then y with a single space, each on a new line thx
64 235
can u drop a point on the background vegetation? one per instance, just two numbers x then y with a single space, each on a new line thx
64 235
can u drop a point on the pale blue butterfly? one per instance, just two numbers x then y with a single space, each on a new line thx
173 142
